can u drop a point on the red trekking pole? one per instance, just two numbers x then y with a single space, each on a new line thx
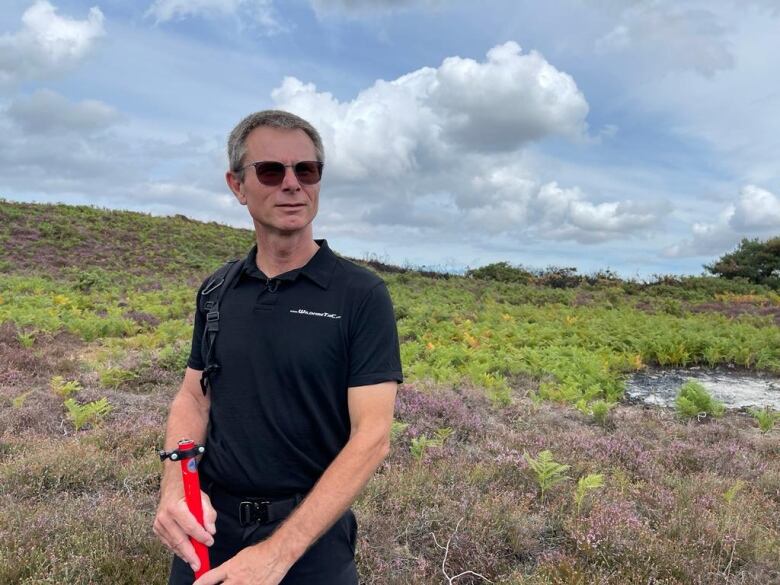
186 453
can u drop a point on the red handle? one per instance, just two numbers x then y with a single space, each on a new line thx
189 474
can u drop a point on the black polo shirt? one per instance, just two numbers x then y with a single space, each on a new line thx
289 348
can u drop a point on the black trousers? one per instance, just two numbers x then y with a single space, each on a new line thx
329 561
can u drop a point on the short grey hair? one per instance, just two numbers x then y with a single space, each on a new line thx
236 146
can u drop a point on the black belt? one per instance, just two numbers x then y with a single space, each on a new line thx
253 510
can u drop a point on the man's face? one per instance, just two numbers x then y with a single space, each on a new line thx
288 207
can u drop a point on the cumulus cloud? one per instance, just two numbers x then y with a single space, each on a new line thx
47 42
509 99
756 209
431 114
755 213
47 112
519 207
550 211
664 34
260 11
441 150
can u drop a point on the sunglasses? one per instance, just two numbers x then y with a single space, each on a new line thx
271 173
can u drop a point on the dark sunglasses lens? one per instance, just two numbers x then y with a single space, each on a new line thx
308 172
270 173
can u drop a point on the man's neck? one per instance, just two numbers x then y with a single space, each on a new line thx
277 254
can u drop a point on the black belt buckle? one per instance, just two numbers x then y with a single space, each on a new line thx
250 512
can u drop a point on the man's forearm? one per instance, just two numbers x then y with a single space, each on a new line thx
187 420
333 494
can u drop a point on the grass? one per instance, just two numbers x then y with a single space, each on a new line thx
95 306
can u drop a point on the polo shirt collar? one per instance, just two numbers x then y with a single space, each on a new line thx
319 269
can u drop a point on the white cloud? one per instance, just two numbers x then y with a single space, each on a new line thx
441 150
47 43
47 112
755 213
430 115
508 100
552 212
756 209
260 11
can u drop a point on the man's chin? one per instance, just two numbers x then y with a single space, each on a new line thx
284 228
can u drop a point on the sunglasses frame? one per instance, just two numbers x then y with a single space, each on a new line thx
256 164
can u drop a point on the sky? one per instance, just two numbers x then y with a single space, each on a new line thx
639 136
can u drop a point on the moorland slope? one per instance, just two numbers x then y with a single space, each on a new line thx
95 322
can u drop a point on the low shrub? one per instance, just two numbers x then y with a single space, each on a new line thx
173 358
693 401
501 272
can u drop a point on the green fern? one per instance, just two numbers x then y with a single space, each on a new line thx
397 429
18 401
115 377
420 444
766 418
548 472
731 493
587 484
64 389
442 434
600 412
693 401
26 339
90 413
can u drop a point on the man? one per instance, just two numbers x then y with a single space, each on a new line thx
298 416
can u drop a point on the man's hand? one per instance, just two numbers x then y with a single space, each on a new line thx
261 564
174 524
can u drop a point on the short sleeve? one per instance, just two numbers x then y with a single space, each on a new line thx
374 352
195 360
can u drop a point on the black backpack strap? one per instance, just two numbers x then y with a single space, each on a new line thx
209 300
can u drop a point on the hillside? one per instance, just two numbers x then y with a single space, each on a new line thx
56 239
95 324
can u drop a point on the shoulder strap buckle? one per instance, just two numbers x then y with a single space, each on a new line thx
212 286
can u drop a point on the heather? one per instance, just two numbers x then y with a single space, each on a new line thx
511 408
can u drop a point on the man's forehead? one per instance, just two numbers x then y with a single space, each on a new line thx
266 141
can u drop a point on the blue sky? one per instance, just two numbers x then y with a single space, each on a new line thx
636 135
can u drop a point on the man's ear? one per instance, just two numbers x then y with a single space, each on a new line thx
235 186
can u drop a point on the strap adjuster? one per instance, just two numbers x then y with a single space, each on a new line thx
253 512
212 316
205 375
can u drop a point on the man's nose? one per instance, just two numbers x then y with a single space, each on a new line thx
290 181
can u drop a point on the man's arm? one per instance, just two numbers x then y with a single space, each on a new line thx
371 417
174 524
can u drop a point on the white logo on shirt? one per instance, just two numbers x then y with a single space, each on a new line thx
315 314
